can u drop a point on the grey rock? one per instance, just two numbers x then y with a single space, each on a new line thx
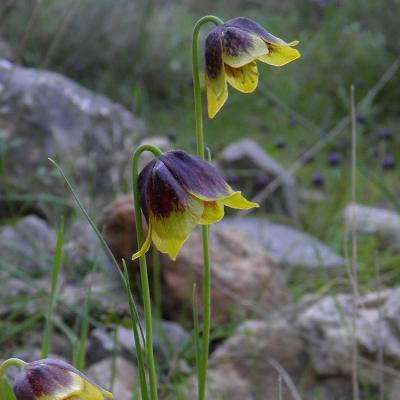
91 137
266 360
374 221
288 246
168 337
100 346
326 327
28 246
126 377
107 294
247 159
245 281
6 51
82 245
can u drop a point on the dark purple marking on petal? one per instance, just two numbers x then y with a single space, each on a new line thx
164 194
53 362
248 25
235 41
144 179
213 53
22 388
195 175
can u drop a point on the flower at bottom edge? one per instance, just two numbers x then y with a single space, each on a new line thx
52 379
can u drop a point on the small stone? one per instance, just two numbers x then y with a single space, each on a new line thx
126 377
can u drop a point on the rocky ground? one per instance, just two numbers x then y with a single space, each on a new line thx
266 344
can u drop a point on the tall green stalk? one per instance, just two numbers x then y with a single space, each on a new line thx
202 371
143 267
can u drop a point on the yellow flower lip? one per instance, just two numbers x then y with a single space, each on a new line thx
56 380
177 192
231 52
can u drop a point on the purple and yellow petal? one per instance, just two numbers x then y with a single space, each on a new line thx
196 176
250 26
279 52
244 79
213 212
217 91
236 200
240 47
214 101
169 233
280 55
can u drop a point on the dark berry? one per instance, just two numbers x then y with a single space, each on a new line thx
388 162
334 159
318 179
280 143
261 182
384 134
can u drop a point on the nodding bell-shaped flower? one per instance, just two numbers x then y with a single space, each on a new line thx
177 192
231 51
51 379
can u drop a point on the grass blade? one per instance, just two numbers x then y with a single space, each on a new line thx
54 279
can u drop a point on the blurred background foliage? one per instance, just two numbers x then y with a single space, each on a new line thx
138 53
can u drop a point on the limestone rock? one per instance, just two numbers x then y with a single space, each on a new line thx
126 377
51 116
288 246
244 278
246 159
374 221
29 245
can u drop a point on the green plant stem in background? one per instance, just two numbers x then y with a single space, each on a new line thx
12 362
142 373
54 279
143 267
202 371
155 258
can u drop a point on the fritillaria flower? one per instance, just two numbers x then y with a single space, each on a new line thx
178 192
231 51
56 380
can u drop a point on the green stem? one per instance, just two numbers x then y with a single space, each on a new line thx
143 266
202 372
12 362
155 257
196 81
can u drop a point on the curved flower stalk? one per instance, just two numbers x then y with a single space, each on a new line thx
51 379
177 192
231 52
